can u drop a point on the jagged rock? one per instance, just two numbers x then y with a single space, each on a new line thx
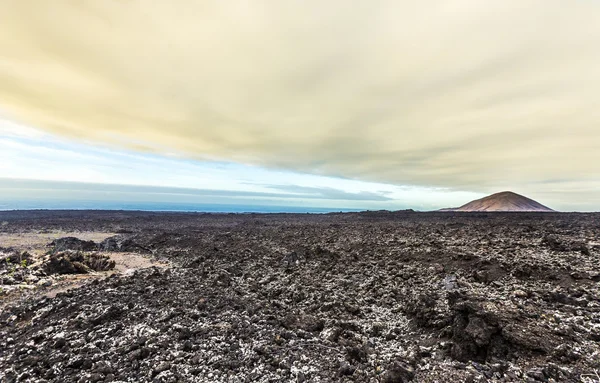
482 330
65 263
70 262
346 369
71 243
121 243
398 373
10 258
557 244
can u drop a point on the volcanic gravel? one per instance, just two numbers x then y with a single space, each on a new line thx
355 297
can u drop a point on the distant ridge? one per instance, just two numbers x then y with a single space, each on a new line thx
503 201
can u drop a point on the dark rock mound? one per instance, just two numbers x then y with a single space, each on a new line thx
557 244
122 244
422 308
99 262
72 243
69 262
399 373
483 331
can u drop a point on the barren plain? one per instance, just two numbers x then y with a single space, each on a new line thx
98 296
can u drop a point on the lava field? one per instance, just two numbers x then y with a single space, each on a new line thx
354 297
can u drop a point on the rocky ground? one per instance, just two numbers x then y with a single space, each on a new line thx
356 297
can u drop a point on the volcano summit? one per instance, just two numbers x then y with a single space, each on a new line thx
504 201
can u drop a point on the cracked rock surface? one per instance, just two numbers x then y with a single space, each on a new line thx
355 297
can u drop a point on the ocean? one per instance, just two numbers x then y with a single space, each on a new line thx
160 206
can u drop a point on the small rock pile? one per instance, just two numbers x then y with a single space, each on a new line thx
69 255
76 262
13 267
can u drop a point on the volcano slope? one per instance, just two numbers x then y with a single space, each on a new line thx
356 297
503 201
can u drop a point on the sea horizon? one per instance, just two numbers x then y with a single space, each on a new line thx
164 207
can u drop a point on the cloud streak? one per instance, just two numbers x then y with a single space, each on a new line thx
14 187
464 94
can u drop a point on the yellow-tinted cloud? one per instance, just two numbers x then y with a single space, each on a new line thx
466 94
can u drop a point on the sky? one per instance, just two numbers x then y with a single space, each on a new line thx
362 104
39 166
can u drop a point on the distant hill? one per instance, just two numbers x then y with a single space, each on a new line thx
504 201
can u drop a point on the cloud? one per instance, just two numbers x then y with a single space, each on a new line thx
329 193
463 94
13 188
48 158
